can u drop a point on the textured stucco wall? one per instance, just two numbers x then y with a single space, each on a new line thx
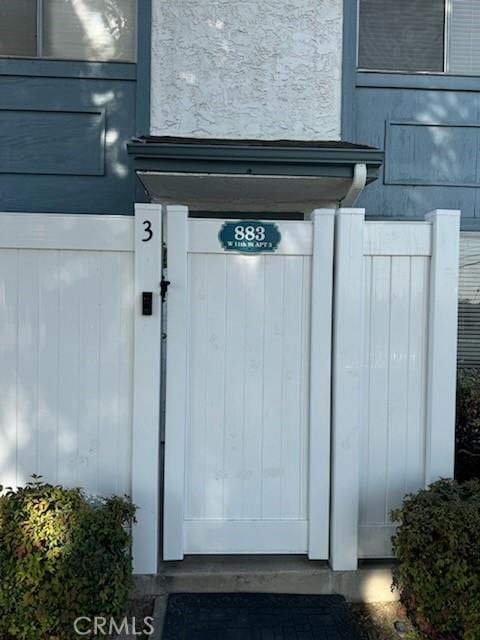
247 69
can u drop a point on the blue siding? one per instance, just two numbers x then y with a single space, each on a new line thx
64 127
28 146
64 144
429 127
431 141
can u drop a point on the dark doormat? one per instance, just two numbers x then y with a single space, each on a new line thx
255 616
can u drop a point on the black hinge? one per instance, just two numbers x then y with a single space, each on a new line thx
163 288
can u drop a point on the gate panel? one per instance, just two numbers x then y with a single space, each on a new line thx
237 453
247 422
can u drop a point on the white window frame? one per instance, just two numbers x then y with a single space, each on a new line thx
40 25
446 34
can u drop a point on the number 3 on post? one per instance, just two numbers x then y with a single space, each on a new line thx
148 231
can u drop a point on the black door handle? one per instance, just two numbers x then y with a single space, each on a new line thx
163 288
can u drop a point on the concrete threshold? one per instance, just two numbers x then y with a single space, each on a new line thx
269 574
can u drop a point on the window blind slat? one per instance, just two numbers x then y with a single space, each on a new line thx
464 37
469 302
402 36
18 28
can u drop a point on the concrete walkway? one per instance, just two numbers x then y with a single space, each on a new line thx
159 611
261 574
268 574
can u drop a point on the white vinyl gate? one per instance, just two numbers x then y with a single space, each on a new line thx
237 463
299 413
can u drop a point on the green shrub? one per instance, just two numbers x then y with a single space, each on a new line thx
62 556
438 548
467 463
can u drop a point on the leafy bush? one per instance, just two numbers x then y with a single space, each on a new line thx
61 557
438 548
467 464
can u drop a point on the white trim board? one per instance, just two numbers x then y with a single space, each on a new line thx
397 239
66 232
246 536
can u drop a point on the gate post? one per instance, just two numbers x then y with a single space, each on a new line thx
346 399
146 388
442 345
176 383
320 383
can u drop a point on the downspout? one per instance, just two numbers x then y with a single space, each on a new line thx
358 185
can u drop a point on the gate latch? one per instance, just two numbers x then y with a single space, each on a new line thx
163 288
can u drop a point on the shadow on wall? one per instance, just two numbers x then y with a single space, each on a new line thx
66 359
104 31
65 134
431 150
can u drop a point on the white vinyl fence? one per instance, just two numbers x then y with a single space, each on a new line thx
66 349
393 372
409 319
394 381
80 365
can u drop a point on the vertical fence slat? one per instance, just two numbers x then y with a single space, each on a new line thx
254 341
176 397
377 427
320 382
212 370
272 385
9 282
48 279
125 373
234 388
396 453
69 303
416 405
198 384
292 389
109 356
27 363
89 369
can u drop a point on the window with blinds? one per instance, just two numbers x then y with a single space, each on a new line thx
469 301
407 35
18 28
420 36
464 37
96 30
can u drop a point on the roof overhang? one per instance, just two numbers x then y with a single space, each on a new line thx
250 175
